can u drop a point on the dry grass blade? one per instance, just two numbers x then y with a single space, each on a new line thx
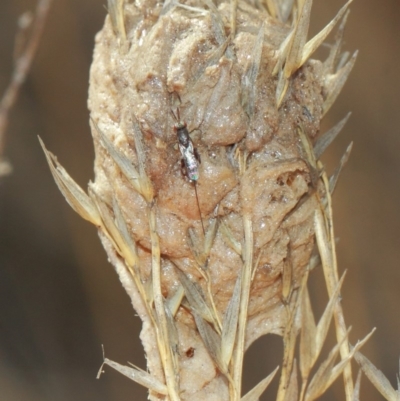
273 8
195 295
138 375
323 324
332 61
336 82
234 6
116 12
356 393
282 52
281 88
292 392
343 59
211 341
337 370
196 298
230 239
289 343
309 156
244 303
289 54
210 237
313 337
123 241
327 249
145 184
229 326
324 248
328 137
377 378
260 254
172 337
307 338
175 301
128 246
123 162
335 176
249 78
317 40
73 193
315 260
162 324
327 252
286 7
295 54
216 55
148 290
217 24
327 373
201 251
111 230
195 246
321 378
255 393
308 148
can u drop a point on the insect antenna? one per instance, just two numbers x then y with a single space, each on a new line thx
174 115
198 205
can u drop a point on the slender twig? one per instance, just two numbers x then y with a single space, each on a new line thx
22 66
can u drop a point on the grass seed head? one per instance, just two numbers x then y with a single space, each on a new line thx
214 262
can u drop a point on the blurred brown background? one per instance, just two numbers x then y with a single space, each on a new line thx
60 299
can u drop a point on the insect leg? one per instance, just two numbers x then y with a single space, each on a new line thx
197 155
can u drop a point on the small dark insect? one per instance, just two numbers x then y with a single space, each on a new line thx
190 352
190 156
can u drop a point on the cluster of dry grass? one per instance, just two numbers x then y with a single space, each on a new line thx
265 196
